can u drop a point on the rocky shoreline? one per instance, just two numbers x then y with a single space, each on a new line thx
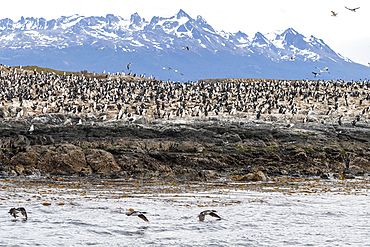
193 149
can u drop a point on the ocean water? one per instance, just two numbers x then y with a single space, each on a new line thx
282 212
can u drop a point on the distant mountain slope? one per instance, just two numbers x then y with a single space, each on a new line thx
108 43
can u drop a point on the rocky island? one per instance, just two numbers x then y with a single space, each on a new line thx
121 126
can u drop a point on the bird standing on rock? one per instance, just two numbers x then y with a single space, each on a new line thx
340 120
347 160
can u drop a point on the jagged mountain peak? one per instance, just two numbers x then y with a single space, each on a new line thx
241 34
241 37
112 18
182 14
169 23
203 23
162 38
290 30
135 17
259 35
161 30
260 38
70 18
136 21
290 36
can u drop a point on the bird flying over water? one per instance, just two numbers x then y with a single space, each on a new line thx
212 213
334 14
139 214
353 10
14 212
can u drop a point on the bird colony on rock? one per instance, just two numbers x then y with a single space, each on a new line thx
125 98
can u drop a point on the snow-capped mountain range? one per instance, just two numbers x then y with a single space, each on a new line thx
108 43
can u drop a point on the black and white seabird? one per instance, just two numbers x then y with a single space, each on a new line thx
212 213
139 214
186 48
353 10
340 120
169 68
31 129
14 212
325 69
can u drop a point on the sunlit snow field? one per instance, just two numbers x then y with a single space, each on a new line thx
283 212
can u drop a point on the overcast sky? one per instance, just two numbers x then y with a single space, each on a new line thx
347 34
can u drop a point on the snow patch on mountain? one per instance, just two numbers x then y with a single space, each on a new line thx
161 38
157 34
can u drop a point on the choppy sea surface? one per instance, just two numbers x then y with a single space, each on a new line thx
282 212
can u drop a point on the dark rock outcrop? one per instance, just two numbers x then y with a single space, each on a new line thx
191 150
101 161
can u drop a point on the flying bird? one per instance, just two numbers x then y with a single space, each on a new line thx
139 214
14 212
186 48
291 58
128 66
325 69
315 74
334 14
353 10
212 213
169 68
